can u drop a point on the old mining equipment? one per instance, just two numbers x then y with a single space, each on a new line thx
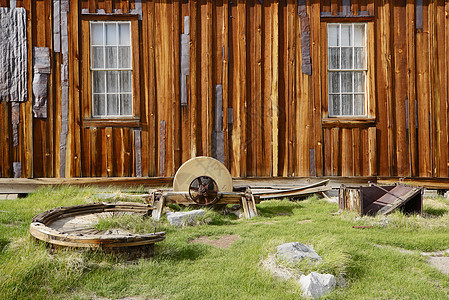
204 181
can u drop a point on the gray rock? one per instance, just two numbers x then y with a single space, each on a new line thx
316 285
184 217
292 253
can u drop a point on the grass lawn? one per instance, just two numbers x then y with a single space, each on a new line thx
368 259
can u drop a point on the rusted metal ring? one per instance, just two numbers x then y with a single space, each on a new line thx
203 190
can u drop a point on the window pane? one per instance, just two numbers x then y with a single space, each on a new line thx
97 57
346 82
346 35
359 82
359 105
125 81
124 34
99 105
334 105
332 35
112 104
97 33
126 104
99 81
111 34
334 82
346 58
358 58
346 105
334 58
112 81
359 35
111 57
124 54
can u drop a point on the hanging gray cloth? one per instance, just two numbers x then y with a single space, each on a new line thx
13 54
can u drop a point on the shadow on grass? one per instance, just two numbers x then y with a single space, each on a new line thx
279 210
175 252
3 243
437 212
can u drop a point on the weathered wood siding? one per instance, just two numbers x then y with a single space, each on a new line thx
253 51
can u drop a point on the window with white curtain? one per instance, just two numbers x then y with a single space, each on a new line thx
111 69
347 69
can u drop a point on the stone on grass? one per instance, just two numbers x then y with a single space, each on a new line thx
292 253
182 218
316 285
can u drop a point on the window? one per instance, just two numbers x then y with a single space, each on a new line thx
111 69
347 69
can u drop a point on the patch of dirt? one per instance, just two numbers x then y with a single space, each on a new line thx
440 262
304 221
222 242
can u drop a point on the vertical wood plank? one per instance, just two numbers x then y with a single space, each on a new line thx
411 87
258 92
441 92
225 80
423 96
242 86
193 77
267 154
400 87
316 142
275 87
176 106
356 152
28 116
346 153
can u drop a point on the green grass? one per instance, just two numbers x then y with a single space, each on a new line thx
368 259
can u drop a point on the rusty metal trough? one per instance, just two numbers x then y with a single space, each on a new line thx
375 199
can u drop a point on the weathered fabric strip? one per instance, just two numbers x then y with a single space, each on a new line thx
42 68
17 169
65 6
137 8
218 107
56 26
65 85
183 90
186 25
162 149
13 55
218 146
419 15
305 38
312 162
185 52
40 95
15 120
138 151
346 7
218 134
41 56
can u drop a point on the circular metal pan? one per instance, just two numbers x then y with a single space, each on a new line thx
73 226
202 166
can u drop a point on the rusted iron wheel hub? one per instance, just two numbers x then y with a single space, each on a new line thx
203 190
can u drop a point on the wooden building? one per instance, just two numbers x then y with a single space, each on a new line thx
272 88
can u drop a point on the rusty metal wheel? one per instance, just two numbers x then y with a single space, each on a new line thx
203 190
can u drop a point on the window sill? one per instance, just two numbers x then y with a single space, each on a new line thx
349 122
112 122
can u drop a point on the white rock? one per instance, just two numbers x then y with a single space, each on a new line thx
316 285
184 217
292 253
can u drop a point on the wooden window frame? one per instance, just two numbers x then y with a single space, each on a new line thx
350 121
86 90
